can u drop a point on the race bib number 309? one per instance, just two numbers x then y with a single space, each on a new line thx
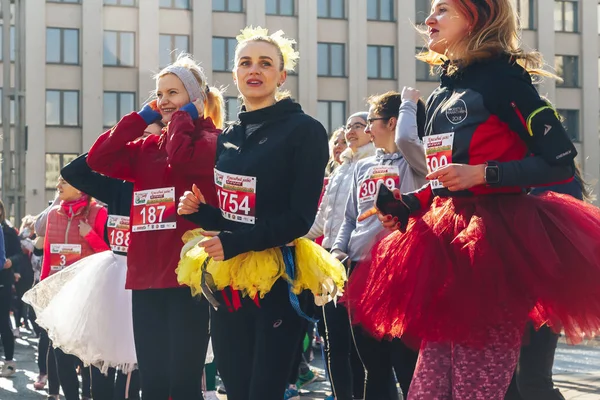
237 196
388 174
154 210
438 151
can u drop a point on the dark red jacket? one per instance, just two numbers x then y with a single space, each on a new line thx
184 154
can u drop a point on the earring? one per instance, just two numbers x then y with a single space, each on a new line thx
278 84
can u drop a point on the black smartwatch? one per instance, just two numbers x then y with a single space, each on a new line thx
492 173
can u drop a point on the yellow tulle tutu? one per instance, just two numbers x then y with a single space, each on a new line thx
256 272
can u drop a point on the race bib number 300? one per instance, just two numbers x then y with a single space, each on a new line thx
63 255
438 151
154 210
237 196
118 232
388 174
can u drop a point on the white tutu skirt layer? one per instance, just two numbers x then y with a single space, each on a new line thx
87 312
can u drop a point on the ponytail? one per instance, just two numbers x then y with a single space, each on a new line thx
214 107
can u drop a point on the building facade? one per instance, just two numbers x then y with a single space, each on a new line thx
88 62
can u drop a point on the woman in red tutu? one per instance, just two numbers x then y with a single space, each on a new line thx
475 257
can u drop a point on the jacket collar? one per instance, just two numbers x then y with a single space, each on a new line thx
365 151
281 109
381 155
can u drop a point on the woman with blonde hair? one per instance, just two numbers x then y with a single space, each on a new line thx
476 257
170 327
269 175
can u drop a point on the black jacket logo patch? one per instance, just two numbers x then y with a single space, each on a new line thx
458 112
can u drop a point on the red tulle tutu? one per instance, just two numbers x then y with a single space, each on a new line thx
468 264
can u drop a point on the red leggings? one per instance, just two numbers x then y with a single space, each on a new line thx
448 371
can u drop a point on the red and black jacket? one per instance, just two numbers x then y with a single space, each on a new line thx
497 115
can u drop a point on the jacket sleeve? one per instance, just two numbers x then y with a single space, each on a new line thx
115 153
516 102
13 248
190 149
407 138
350 216
310 156
207 217
40 221
95 237
317 228
2 250
79 175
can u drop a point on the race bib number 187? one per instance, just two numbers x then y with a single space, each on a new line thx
154 210
438 151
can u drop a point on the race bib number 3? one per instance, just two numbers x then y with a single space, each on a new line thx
237 196
438 151
388 174
154 210
118 232
63 255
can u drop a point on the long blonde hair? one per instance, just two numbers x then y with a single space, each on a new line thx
214 104
495 31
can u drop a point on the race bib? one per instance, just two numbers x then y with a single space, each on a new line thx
154 210
63 255
118 233
388 174
237 196
438 151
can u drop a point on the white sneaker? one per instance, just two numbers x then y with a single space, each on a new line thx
8 369
212 395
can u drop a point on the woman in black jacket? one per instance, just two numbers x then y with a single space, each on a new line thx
269 175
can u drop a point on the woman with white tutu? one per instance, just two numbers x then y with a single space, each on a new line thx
74 230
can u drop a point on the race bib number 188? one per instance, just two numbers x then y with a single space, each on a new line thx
154 210
237 196
118 232
438 151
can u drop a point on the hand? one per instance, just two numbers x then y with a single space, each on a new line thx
8 263
84 228
340 255
152 129
17 277
190 202
199 103
213 246
457 177
410 94
389 222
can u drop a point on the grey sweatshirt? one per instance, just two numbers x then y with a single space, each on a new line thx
331 211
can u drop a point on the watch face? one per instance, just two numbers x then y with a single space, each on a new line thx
491 175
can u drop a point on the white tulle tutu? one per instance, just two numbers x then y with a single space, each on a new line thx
87 312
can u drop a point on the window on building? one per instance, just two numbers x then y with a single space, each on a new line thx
54 163
566 16
62 46
12 43
171 46
119 49
332 114
380 10
526 10
232 108
227 5
63 1
119 3
423 9
223 52
12 108
181 4
567 67
331 59
115 106
331 9
570 120
62 107
279 7
380 62
424 70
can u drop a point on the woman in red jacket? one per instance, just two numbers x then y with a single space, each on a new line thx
170 327
74 230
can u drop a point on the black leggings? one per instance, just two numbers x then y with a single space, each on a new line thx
8 338
104 387
67 375
171 338
255 345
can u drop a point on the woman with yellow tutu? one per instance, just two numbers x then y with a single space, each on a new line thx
250 262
